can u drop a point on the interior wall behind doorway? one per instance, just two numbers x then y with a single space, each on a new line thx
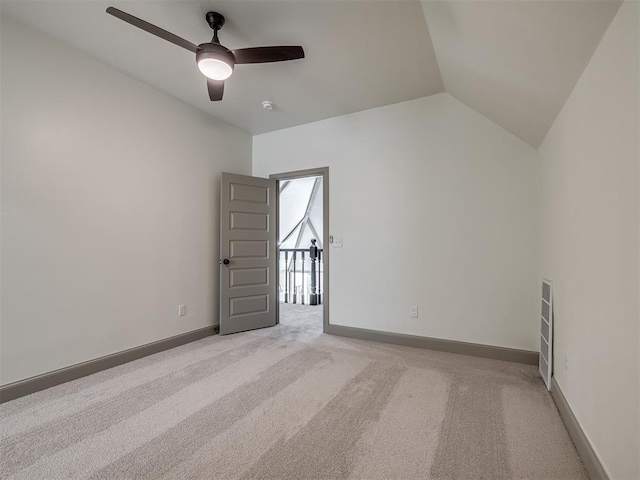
300 215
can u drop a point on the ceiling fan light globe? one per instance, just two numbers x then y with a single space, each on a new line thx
214 68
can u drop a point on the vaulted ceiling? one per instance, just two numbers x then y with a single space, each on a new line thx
513 61
516 62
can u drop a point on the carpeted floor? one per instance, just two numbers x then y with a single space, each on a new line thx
291 403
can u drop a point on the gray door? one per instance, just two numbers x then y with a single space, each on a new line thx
247 253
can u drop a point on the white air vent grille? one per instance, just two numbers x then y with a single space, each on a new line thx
546 333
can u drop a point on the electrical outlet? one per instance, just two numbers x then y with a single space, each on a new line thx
182 310
413 311
567 361
337 242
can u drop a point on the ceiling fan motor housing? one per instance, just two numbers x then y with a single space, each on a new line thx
215 51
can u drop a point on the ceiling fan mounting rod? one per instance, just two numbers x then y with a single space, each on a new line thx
215 21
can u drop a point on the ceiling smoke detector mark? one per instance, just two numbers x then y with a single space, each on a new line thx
268 105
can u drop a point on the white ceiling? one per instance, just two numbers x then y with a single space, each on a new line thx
514 61
359 54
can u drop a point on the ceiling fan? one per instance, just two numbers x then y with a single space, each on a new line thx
215 61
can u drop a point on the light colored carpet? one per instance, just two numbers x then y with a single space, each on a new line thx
291 403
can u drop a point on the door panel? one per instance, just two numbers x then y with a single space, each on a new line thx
247 277
240 306
249 249
248 241
249 221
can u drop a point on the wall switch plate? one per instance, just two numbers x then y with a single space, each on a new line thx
413 311
337 242
182 310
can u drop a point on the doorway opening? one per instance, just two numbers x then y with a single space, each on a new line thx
302 250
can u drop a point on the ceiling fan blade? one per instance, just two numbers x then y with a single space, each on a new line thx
267 54
216 89
148 27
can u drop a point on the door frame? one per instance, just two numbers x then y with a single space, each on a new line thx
311 172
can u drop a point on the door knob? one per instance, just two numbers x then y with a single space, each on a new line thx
226 261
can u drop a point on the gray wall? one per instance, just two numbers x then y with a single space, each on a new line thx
436 206
110 194
589 208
